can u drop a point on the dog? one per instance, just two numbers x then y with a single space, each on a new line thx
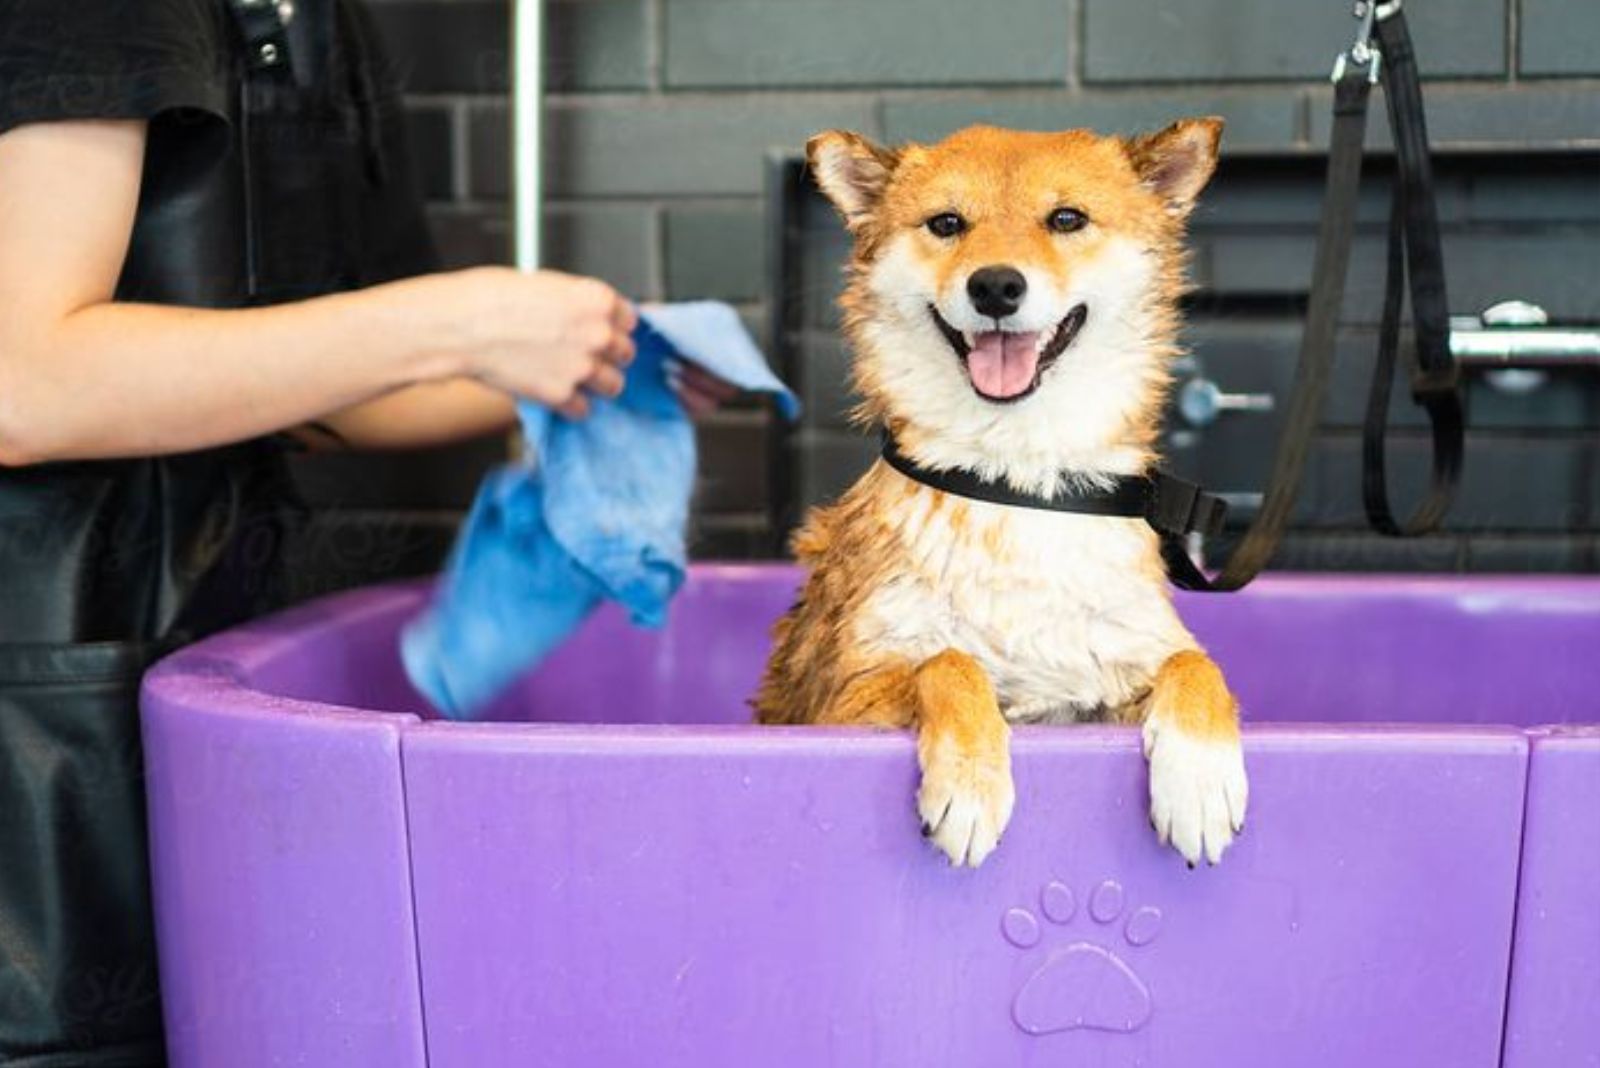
1012 307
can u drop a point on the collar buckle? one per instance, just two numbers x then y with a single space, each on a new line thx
1179 507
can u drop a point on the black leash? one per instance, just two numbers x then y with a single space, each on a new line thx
1177 508
1414 244
1352 85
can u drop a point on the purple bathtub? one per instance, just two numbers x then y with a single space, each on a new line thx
622 872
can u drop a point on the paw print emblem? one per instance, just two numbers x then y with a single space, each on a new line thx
1083 982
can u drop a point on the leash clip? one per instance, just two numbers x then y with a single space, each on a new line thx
1363 52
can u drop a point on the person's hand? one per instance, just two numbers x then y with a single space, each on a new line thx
546 336
700 391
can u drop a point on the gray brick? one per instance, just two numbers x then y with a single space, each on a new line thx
1559 37
1222 40
611 241
716 251
596 44
1260 118
650 145
766 43
1479 116
461 47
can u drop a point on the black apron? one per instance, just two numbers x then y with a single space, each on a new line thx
106 565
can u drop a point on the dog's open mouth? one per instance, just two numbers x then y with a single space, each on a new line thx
1004 366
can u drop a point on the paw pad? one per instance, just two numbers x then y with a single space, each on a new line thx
1083 983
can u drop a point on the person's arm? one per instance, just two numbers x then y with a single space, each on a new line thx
436 413
83 377
446 412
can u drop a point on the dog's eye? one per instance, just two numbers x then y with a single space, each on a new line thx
1066 220
946 224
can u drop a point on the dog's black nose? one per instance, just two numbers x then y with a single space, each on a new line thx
997 291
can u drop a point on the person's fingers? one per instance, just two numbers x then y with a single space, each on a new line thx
620 352
703 381
696 403
575 408
606 380
625 315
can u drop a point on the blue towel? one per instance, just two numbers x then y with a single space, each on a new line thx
597 512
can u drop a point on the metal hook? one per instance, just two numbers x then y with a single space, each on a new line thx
1362 52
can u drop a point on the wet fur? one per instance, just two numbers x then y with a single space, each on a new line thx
957 617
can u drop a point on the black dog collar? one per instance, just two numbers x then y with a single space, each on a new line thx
1175 507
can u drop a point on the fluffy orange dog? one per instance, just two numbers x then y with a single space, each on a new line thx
1012 304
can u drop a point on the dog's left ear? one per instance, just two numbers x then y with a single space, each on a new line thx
852 171
1178 161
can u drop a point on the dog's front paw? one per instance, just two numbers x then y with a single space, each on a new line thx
1198 789
965 800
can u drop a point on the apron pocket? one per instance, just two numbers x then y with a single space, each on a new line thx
78 981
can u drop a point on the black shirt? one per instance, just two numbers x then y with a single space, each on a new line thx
256 190
112 59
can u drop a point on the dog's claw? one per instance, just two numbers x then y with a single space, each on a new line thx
965 804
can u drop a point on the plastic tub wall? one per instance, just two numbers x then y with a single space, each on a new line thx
623 872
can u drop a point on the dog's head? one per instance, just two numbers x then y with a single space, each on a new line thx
1012 296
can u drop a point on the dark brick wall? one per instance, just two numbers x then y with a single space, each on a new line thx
664 112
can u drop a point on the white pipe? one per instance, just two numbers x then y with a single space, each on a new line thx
1533 346
527 131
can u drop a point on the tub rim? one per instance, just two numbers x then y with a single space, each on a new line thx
214 675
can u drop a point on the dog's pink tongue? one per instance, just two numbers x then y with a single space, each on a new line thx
1001 364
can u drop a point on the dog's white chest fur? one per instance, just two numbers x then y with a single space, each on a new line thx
1061 610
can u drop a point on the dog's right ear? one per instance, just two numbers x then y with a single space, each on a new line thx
852 171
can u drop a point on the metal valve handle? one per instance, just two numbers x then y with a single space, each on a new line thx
1201 401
